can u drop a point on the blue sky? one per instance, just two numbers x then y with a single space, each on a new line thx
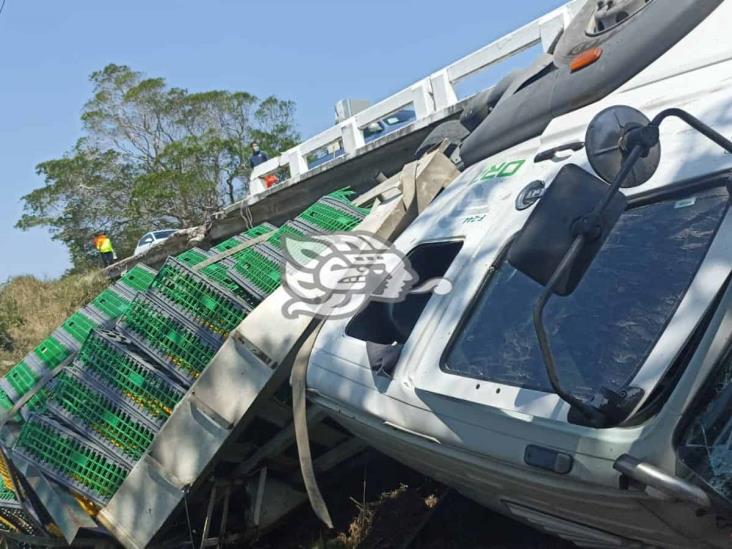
311 52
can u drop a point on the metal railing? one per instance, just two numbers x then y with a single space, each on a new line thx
428 97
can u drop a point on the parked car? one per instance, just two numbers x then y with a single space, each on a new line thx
153 239
388 124
324 155
372 132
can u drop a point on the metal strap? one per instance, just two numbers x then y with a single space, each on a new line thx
228 253
298 381
37 387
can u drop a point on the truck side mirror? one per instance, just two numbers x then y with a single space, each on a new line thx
559 217
579 204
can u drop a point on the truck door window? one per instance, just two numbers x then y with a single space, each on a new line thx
388 323
603 333
706 444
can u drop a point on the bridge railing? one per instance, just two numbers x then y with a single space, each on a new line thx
428 97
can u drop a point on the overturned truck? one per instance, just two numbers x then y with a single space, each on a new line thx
549 333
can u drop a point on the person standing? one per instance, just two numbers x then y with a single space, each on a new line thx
104 246
258 157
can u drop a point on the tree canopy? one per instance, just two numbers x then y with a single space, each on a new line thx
152 157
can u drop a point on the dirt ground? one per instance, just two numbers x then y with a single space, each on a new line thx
385 505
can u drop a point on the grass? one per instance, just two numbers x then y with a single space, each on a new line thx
30 309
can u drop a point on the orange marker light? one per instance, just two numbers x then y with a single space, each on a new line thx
585 59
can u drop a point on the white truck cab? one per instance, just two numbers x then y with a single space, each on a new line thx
644 341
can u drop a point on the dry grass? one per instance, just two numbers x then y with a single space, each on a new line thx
30 309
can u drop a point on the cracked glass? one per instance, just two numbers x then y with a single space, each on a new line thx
706 447
602 334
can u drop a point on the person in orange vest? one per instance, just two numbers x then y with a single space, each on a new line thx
104 246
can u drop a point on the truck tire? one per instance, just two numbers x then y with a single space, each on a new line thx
452 130
480 105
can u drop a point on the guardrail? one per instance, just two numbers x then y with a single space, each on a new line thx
427 97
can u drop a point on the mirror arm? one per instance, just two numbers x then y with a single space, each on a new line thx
586 230
695 123
595 417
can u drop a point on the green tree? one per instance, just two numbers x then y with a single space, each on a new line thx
152 157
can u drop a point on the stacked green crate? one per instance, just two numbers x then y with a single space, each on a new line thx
102 417
22 377
5 402
7 495
334 213
295 229
80 324
259 271
257 231
64 342
193 257
228 244
138 278
250 234
219 272
112 302
110 360
162 332
71 459
211 305
51 352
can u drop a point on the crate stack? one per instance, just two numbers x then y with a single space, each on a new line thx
14 517
99 415
71 459
66 340
61 346
258 271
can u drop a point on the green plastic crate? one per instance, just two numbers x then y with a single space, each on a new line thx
79 325
22 378
111 303
169 337
7 495
251 234
5 402
330 218
260 269
288 229
344 194
219 273
228 244
214 307
37 403
96 414
70 459
193 257
110 360
138 278
51 352
258 230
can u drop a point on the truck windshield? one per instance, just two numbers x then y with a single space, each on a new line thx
602 334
